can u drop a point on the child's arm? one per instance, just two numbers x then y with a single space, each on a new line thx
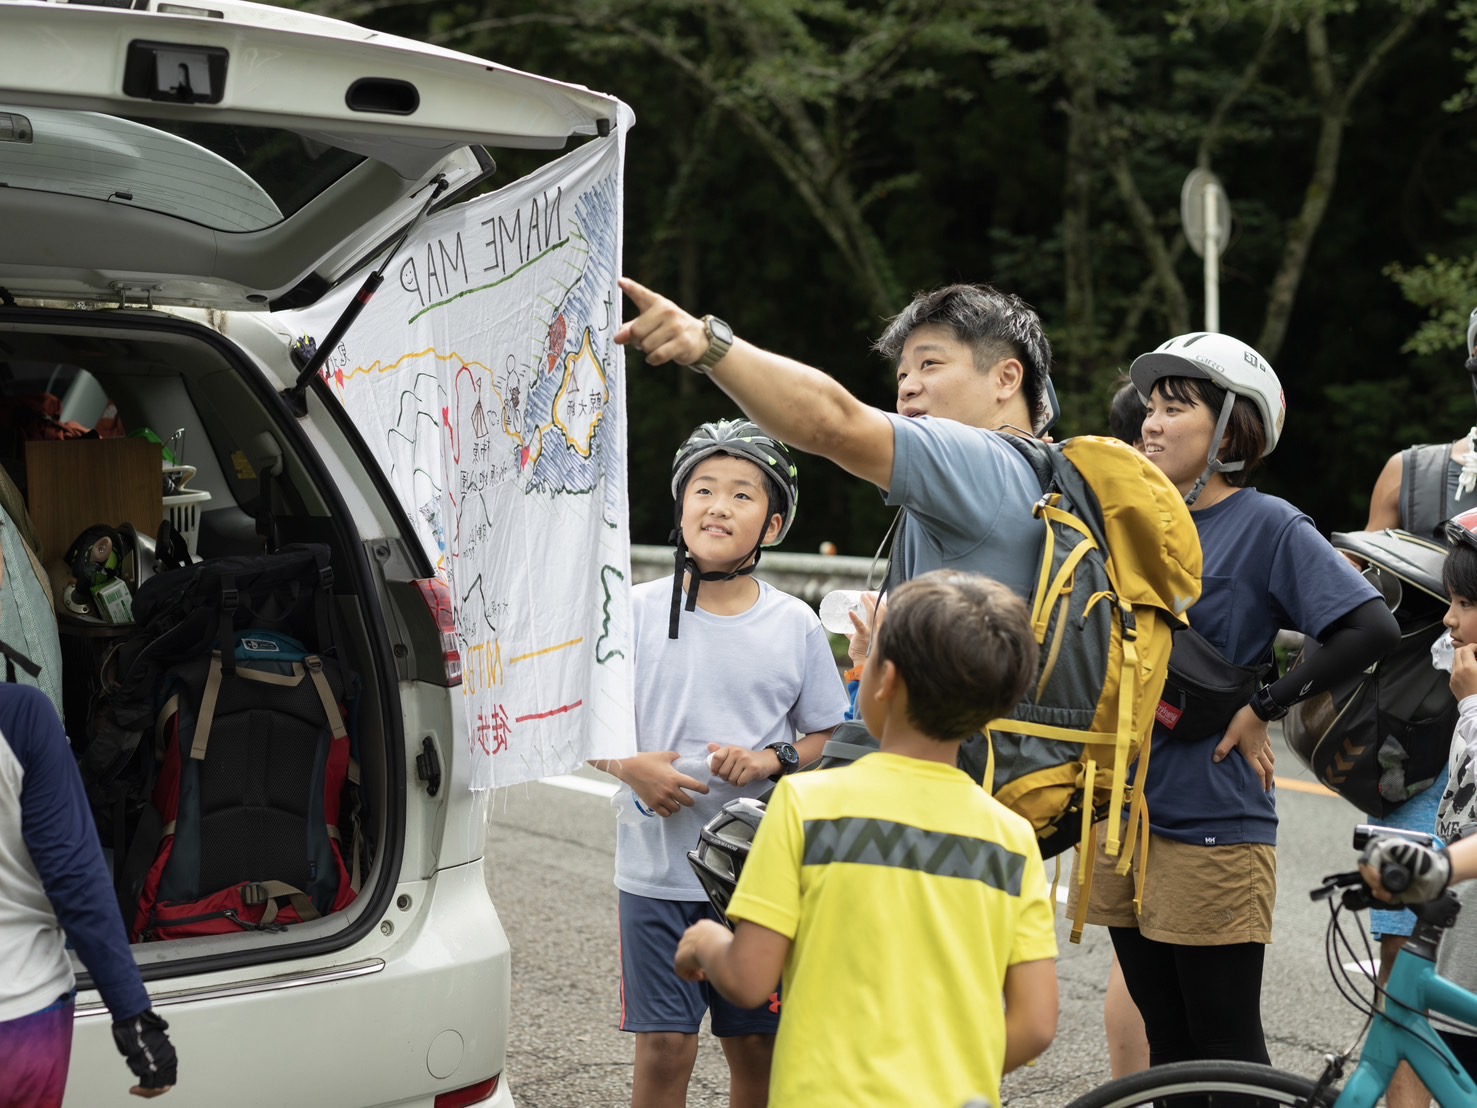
652 776
738 765
1031 1009
744 964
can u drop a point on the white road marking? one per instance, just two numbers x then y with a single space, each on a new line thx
582 785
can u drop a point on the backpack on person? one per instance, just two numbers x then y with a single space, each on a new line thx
1382 736
1120 566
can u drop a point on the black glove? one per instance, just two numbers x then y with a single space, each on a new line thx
1425 871
147 1049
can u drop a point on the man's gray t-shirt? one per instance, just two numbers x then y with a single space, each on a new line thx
746 680
969 496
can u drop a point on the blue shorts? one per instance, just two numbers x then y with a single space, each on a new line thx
653 997
1416 814
35 1054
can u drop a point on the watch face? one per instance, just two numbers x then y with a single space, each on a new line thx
720 330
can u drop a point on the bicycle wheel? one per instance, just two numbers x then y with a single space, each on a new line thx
1209 1084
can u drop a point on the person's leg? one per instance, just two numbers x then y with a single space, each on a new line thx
664 1061
1406 1090
664 1011
35 1054
748 1069
1222 996
1152 977
1128 1047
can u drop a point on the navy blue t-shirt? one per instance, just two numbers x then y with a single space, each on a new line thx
1266 568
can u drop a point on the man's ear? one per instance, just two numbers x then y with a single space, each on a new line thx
1009 376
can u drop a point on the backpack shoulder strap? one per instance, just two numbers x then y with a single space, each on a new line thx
1038 455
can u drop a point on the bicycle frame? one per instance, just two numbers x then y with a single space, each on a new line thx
1401 1032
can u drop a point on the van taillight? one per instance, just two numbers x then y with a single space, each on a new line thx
472 1094
437 595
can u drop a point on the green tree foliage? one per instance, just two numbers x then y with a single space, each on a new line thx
801 166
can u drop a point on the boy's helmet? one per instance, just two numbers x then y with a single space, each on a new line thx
1227 362
1462 528
722 849
741 439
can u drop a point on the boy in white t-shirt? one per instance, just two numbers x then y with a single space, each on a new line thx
726 667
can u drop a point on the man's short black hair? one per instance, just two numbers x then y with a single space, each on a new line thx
994 324
1459 571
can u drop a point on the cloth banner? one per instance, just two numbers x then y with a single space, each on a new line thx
483 376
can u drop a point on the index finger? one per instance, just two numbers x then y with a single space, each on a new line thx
638 293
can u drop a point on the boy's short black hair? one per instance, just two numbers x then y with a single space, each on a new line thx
962 644
1126 413
1459 571
1247 435
994 324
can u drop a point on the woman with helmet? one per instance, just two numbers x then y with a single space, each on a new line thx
728 669
1192 954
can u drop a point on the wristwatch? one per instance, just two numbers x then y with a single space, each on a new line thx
789 758
1264 707
720 341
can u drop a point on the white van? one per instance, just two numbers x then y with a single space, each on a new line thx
170 171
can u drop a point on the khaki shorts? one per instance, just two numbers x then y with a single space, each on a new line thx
1193 895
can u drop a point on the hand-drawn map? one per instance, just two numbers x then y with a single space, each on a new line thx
484 376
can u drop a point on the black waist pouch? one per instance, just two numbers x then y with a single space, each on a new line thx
1203 690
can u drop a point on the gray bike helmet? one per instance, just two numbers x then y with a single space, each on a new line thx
737 438
723 848
740 438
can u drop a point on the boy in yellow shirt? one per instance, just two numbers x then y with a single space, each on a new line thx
897 898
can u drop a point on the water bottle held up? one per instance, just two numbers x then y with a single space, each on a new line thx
836 609
1441 652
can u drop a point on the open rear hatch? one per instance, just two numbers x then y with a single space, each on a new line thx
224 156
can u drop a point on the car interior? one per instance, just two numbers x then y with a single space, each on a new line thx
70 398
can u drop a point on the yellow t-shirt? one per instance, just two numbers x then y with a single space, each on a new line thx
907 892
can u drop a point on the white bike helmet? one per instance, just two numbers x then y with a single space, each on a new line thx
1226 362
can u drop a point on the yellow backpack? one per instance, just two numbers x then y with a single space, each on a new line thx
1120 567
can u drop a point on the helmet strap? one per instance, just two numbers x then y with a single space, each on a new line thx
684 565
1213 464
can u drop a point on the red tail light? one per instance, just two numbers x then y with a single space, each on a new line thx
472 1094
437 595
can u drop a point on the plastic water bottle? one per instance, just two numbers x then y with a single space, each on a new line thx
836 609
631 810
1442 651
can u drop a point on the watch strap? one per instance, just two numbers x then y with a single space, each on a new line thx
717 348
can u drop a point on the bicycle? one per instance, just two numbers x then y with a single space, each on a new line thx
1400 1030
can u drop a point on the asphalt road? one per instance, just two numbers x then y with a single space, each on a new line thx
549 868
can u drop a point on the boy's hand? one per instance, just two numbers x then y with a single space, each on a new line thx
739 766
660 787
662 331
1464 671
1247 732
688 962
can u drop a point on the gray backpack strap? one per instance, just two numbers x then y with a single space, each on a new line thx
1424 488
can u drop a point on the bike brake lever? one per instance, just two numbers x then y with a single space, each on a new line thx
1333 883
